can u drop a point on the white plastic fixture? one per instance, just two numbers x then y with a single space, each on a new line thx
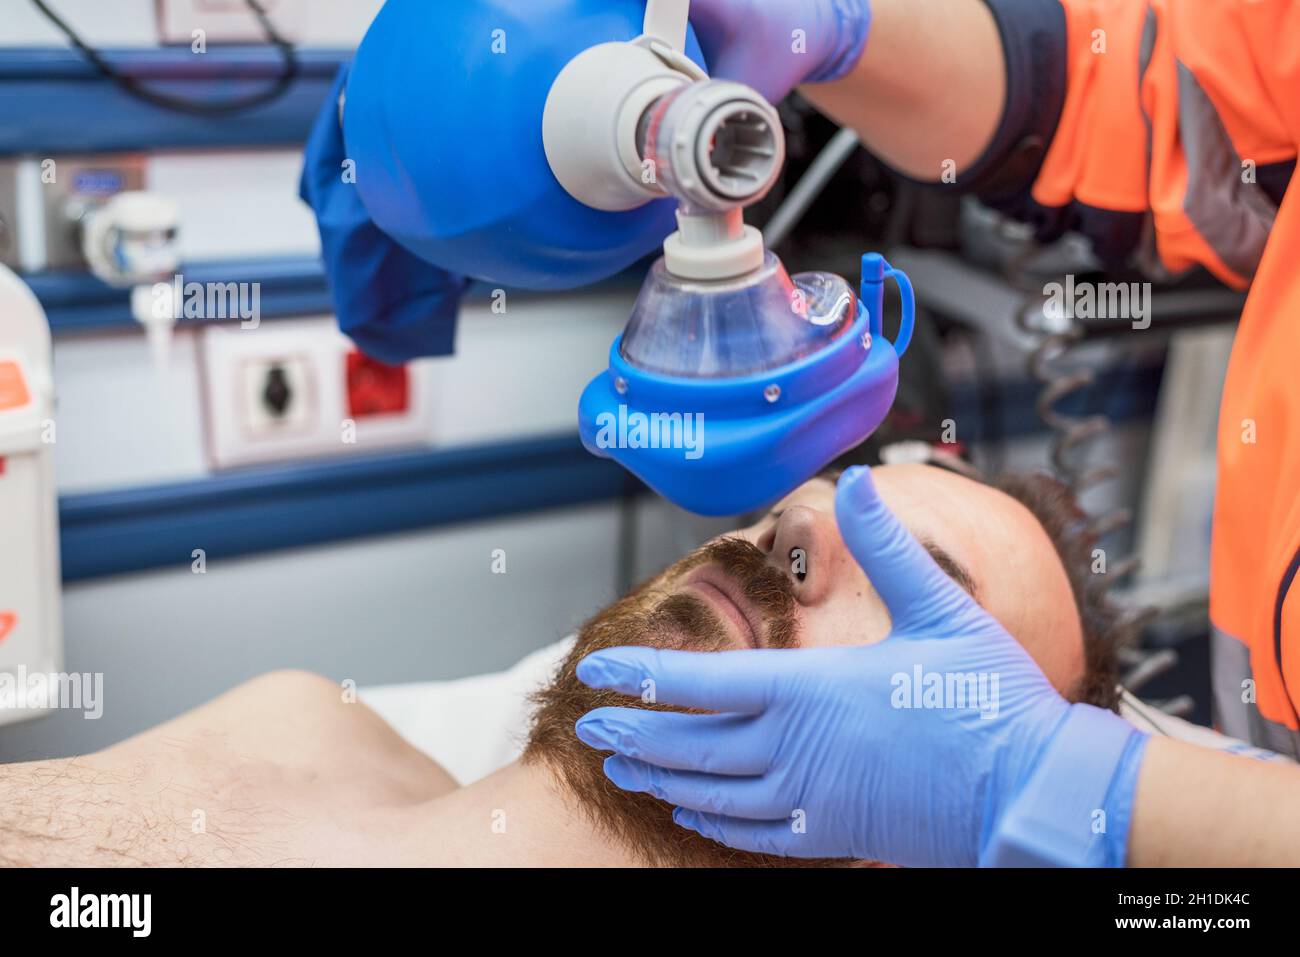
31 636
308 357
627 123
231 21
131 241
590 125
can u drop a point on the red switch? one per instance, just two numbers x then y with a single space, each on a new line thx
375 388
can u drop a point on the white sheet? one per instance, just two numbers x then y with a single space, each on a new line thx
474 726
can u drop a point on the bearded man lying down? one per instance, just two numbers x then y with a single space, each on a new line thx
282 771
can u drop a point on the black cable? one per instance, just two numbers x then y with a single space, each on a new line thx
135 88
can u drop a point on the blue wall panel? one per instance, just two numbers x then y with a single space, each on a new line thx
291 506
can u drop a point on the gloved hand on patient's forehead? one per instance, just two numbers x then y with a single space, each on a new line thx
833 752
776 45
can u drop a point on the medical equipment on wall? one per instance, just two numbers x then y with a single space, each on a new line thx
30 630
552 141
130 241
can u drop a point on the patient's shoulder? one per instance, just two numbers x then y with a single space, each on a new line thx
292 680
301 720
292 692
283 703
274 770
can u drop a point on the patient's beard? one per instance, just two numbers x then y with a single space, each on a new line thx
660 617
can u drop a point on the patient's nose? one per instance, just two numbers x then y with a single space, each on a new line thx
803 545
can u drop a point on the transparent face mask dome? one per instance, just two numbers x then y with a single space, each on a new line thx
713 330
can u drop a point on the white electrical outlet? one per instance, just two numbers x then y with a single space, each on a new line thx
298 389
228 21
279 396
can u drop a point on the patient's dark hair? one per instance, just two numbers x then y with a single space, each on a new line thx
1107 628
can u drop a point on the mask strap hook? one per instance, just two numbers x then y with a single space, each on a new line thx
875 271
908 321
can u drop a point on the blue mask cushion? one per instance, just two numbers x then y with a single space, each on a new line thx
729 446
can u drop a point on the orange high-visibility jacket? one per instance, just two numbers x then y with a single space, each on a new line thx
1168 131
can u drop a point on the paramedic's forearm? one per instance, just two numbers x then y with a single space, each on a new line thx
1199 808
929 88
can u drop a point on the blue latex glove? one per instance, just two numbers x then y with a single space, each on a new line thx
755 41
819 731
393 304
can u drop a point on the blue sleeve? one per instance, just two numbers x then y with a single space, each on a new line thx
394 305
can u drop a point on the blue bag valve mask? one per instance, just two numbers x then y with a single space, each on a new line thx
443 121
540 144
491 141
735 397
734 383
